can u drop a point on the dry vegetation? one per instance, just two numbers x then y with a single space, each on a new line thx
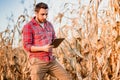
89 52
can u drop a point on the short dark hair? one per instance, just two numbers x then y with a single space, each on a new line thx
40 5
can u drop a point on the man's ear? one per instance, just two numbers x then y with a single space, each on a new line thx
36 13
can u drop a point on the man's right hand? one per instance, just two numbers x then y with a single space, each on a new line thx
47 48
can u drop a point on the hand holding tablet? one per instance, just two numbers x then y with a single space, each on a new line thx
57 42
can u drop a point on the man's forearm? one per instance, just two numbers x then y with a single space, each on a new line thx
37 48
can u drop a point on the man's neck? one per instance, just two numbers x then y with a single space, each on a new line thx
37 20
42 24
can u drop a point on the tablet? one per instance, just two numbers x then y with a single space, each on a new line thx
57 42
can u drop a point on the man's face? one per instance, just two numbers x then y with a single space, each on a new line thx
42 15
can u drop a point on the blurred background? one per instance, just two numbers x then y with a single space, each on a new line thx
91 29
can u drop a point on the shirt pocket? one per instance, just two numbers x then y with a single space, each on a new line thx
39 35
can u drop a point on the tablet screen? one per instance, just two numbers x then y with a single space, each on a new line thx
57 42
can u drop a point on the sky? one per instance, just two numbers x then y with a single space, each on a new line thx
16 7
8 7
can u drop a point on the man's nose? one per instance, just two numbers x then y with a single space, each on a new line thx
45 16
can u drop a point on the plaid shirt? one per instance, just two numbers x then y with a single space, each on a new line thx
36 35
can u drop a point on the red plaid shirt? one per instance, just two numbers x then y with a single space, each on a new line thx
35 35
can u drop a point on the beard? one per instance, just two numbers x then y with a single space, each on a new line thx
40 20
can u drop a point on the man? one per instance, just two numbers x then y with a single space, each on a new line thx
37 37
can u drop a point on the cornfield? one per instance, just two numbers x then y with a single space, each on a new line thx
90 51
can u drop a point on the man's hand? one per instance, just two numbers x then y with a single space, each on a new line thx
47 48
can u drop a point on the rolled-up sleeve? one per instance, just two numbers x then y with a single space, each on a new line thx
27 37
